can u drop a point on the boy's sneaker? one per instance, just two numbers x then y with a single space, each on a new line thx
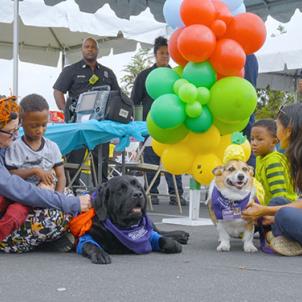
63 245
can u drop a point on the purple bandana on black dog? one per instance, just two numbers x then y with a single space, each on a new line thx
135 238
221 204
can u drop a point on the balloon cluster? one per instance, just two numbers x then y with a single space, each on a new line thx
198 104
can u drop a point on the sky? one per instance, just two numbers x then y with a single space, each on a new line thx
40 79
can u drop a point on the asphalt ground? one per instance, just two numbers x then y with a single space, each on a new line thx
199 273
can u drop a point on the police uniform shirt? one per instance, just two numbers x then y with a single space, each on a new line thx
74 78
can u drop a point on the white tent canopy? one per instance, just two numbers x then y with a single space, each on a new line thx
46 31
281 10
280 59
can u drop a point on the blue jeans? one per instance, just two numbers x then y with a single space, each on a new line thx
151 158
288 221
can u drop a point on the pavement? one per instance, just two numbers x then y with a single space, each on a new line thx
199 273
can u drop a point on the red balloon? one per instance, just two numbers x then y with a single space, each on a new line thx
240 75
222 12
197 12
248 30
173 49
228 57
219 28
196 43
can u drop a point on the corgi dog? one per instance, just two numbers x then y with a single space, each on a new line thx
231 191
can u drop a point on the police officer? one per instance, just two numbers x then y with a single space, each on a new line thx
76 79
140 97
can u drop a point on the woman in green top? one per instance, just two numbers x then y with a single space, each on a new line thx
286 238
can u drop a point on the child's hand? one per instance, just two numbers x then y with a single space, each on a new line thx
45 177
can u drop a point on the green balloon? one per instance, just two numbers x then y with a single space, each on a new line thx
227 128
188 93
232 99
200 74
160 81
166 136
203 95
178 84
201 123
168 111
179 70
194 109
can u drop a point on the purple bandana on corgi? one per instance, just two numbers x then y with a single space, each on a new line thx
221 205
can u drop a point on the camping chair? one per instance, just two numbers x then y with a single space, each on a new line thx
87 173
139 165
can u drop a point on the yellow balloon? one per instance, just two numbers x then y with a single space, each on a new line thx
225 141
204 142
157 147
246 146
203 166
177 159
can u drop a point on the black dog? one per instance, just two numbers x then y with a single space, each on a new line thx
120 204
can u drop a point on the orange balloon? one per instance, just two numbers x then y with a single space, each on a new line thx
197 12
248 30
222 11
219 28
173 49
196 43
228 57
240 73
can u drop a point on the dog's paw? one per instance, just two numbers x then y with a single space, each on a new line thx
223 246
249 248
100 257
169 245
96 254
180 236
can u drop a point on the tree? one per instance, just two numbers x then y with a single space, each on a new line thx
140 61
269 102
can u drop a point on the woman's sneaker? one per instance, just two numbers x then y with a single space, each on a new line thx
285 246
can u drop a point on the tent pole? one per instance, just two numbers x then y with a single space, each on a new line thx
16 47
63 58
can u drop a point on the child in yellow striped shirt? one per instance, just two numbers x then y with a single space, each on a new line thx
272 168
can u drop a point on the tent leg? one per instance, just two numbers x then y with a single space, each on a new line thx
16 47
193 219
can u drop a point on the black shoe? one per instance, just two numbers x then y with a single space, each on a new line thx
154 200
63 245
173 201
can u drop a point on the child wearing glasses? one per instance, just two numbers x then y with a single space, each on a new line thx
33 157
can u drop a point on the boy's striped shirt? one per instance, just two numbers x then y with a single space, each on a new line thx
273 172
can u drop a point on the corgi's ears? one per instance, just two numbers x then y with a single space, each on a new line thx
218 171
251 170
